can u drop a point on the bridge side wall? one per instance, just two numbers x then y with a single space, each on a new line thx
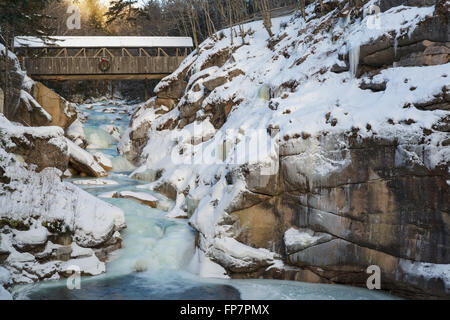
90 65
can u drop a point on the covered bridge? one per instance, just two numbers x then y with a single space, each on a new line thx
101 58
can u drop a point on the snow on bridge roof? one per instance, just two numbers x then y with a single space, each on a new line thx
103 42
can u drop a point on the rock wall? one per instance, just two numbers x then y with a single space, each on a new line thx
48 227
62 112
358 170
376 211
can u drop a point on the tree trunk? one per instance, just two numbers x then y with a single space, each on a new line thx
230 17
267 21
6 106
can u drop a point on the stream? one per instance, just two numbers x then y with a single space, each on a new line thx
159 247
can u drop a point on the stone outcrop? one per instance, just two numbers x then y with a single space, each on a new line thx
84 162
42 151
372 212
63 113
30 113
141 197
103 161
427 45
47 226
43 147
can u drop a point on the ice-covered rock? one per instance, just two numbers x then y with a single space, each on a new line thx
204 267
322 180
103 161
80 252
76 133
90 266
238 257
142 197
98 138
299 239
26 240
96 182
4 295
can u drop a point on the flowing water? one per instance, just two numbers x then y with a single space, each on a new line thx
161 248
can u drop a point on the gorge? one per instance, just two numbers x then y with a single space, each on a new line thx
267 167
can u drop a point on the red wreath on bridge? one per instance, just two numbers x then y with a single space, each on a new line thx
104 65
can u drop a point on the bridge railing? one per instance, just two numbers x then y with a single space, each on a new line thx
127 65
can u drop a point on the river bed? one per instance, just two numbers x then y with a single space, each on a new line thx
153 263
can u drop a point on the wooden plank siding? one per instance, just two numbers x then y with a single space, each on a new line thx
125 66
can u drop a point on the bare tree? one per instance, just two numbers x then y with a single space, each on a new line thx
302 8
192 14
265 12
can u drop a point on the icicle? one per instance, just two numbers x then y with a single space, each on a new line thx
353 57
395 47
347 20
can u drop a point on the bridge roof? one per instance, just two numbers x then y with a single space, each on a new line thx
103 42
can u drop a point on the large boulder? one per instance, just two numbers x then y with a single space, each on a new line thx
48 226
84 162
374 208
30 112
76 134
44 147
62 112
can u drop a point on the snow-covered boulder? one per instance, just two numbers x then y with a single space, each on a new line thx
47 225
76 133
103 161
142 197
30 239
300 239
4 280
84 162
237 257
41 146
113 131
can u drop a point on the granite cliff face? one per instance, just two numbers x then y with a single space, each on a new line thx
48 228
31 103
357 169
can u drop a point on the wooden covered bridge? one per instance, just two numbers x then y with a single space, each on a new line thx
101 58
